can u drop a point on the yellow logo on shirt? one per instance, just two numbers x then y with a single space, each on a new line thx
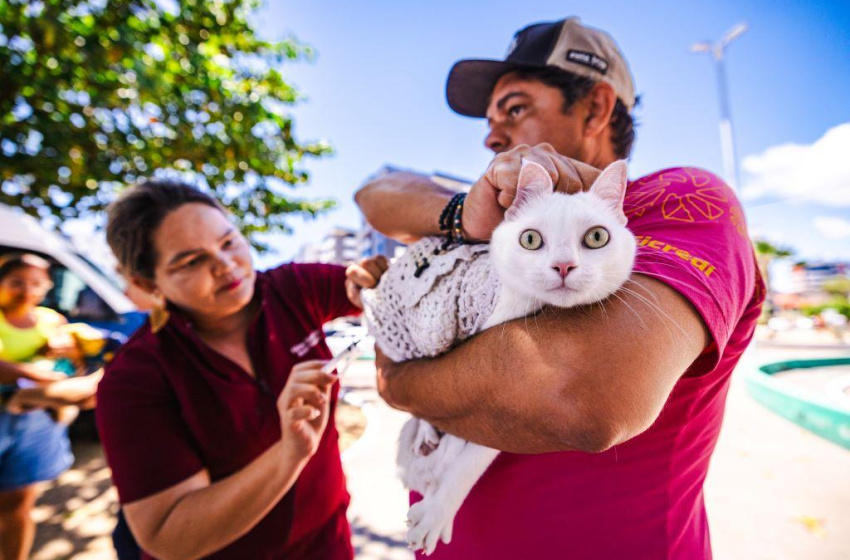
700 264
706 203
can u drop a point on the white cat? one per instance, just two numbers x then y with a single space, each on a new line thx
552 249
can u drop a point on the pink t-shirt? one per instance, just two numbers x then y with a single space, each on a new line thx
642 499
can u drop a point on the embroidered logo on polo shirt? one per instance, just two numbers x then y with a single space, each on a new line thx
588 59
302 348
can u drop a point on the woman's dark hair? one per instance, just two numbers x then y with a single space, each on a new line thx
137 214
574 87
10 262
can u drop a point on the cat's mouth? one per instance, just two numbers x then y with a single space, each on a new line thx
568 285
563 288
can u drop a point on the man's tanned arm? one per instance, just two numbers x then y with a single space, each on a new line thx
583 378
404 206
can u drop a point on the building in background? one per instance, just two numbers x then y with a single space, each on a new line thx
343 246
801 285
339 246
809 278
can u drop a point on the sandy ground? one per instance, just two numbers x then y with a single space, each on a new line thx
774 490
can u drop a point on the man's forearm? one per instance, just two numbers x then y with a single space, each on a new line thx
404 206
496 389
581 378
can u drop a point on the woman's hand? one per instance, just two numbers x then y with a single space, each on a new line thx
365 274
304 406
484 207
199 516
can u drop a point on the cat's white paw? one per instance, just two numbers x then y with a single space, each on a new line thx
426 441
428 522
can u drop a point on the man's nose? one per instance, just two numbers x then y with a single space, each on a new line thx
497 140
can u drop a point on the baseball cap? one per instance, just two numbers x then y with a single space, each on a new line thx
566 44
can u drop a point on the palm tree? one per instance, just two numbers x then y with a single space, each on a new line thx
766 252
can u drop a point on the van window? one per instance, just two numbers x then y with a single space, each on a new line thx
113 278
74 299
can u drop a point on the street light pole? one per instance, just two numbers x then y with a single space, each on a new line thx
727 138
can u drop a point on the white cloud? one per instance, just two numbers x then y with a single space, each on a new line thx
818 172
832 228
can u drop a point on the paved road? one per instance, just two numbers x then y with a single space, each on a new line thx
378 500
776 491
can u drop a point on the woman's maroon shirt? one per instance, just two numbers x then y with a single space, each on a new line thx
170 406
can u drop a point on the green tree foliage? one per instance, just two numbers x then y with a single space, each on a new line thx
95 95
770 250
765 253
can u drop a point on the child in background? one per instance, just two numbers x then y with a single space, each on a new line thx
33 448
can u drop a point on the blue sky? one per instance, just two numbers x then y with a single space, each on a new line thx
376 93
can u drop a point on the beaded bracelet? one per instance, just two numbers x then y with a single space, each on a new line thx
447 215
450 220
456 222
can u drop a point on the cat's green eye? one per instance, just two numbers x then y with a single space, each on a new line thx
531 239
596 237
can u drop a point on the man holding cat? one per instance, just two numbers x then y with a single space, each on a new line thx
607 415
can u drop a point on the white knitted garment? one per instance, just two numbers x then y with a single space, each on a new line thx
450 301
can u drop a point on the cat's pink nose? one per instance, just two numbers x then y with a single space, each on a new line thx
563 268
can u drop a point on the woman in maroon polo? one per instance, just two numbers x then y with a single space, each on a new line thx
216 418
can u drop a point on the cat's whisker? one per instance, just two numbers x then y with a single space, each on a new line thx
642 287
663 262
660 276
654 257
656 309
691 244
603 310
528 305
652 306
659 259
536 325
639 318
525 316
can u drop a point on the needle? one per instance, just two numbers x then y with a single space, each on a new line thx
329 367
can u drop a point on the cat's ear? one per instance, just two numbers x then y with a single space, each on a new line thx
610 186
533 181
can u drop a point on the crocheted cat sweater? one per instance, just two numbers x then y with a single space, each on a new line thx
430 299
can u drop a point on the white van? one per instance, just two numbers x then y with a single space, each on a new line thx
82 291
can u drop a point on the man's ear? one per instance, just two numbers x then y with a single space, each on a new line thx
600 104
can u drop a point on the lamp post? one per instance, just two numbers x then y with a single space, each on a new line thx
727 140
